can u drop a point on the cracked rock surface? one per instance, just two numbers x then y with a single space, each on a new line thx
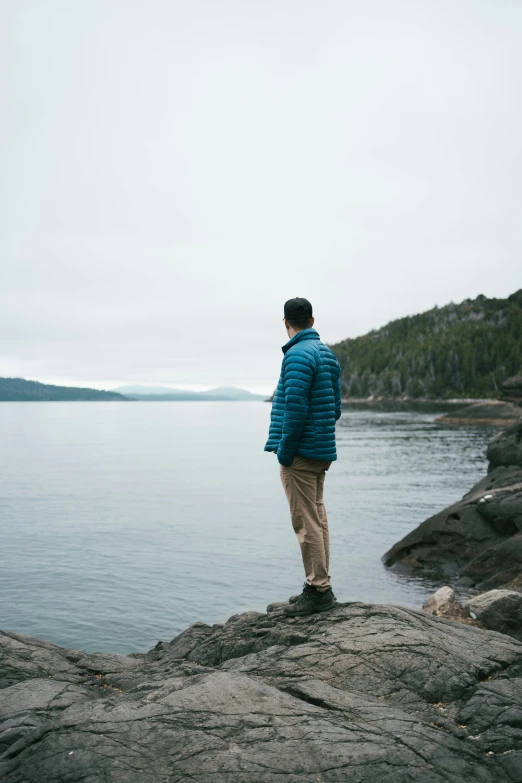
499 610
363 693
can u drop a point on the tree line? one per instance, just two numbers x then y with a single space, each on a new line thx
460 350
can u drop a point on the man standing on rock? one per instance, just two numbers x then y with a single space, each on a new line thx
306 405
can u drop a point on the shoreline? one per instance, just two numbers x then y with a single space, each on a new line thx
484 413
475 545
369 691
422 400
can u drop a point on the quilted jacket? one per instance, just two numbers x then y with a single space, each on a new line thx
307 402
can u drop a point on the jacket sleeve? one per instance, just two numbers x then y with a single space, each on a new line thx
298 372
337 392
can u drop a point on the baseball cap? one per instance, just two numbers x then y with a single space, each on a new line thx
297 309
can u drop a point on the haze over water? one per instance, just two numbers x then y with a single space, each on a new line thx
122 524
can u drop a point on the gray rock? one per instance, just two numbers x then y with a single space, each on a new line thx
363 693
497 565
444 604
504 509
486 517
499 610
444 595
506 447
488 719
277 606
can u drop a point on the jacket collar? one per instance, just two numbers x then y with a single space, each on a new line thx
306 334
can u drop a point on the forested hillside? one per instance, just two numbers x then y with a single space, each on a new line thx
20 390
460 350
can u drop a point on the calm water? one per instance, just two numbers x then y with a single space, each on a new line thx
121 524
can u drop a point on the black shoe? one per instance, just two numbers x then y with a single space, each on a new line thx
311 601
306 586
294 598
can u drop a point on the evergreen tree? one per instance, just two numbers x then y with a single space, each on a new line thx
460 350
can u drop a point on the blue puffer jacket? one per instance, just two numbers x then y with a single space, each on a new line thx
307 402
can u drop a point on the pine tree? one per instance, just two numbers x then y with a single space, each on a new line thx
460 350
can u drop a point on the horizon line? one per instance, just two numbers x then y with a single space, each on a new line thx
113 385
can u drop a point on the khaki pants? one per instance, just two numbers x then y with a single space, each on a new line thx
303 483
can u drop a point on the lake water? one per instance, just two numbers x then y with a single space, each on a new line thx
123 523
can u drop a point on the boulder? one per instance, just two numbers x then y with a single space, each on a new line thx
492 413
363 693
503 509
442 596
506 447
496 565
499 610
443 604
444 544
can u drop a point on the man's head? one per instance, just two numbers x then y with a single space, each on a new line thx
298 315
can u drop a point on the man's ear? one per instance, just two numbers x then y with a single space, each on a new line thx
313 322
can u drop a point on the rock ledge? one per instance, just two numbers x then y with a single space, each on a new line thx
363 693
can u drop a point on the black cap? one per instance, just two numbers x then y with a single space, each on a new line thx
298 309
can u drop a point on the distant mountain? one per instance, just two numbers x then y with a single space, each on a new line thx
166 394
235 393
20 390
144 390
456 351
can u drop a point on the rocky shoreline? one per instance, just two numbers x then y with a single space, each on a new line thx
495 413
364 693
489 412
475 545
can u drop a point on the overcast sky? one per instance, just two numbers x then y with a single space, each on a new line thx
173 171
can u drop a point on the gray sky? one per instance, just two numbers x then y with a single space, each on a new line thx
173 171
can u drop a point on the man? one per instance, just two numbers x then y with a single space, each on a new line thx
306 405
